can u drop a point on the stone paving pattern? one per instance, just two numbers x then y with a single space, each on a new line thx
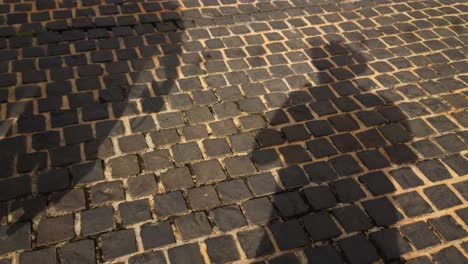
217 131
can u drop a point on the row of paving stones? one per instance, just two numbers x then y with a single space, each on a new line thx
254 242
22 13
219 172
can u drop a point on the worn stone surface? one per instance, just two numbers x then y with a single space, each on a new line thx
194 131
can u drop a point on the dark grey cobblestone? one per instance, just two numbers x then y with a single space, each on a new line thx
197 131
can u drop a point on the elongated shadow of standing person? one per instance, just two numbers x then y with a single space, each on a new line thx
342 148
329 144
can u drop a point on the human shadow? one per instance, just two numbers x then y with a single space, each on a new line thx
333 144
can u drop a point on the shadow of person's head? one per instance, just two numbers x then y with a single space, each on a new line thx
331 143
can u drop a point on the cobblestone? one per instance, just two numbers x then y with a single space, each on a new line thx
233 131
55 229
420 235
106 192
222 249
156 235
118 243
97 220
81 251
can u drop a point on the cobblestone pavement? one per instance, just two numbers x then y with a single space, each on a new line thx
218 131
